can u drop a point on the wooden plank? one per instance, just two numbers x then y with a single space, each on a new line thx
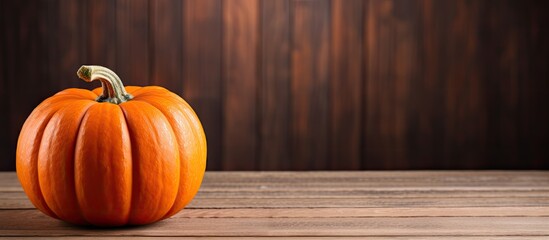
301 238
417 202
366 212
33 223
440 207
240 74
387 179
319 193
202 70
309 84
422 175
358 186
370 193
346 85
372 181
101 34
165 34
132 42
20 202
274 149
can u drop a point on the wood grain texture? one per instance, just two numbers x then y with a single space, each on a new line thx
346 84
309 84
306 84
275 105
408 205
65 20
101 33
240 74
311 238
165 36
4 106
23 28
380 226
132 42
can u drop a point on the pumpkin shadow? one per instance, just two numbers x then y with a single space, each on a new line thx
106 229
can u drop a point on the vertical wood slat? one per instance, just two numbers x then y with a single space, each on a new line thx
346 84
507 71
463 91
430 122
202 70
380 149
240 74
165 42
309 84
26 66
101 33
69 53
533 112
4 105
132 42
275 86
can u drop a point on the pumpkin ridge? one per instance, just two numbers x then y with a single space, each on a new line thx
36 172
79 207
133 165
196 132
170 210
47 122
86 106
183 108
178 152
40 195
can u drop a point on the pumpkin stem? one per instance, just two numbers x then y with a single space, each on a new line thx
113 89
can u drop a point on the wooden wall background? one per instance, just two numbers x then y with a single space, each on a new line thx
305 84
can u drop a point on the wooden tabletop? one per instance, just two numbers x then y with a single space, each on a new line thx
411 205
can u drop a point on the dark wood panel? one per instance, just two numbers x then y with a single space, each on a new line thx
275 86
383 149
132 42
533 59
309 84
459 52
304 85
26 66
101 33
240 79
165 43
202 70
4 105
346 84
515 61
66 20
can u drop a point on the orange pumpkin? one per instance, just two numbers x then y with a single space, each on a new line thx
112 156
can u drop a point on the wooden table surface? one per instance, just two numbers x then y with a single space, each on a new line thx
411 205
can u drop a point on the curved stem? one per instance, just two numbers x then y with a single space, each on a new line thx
113 89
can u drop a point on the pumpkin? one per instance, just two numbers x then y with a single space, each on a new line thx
112 156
